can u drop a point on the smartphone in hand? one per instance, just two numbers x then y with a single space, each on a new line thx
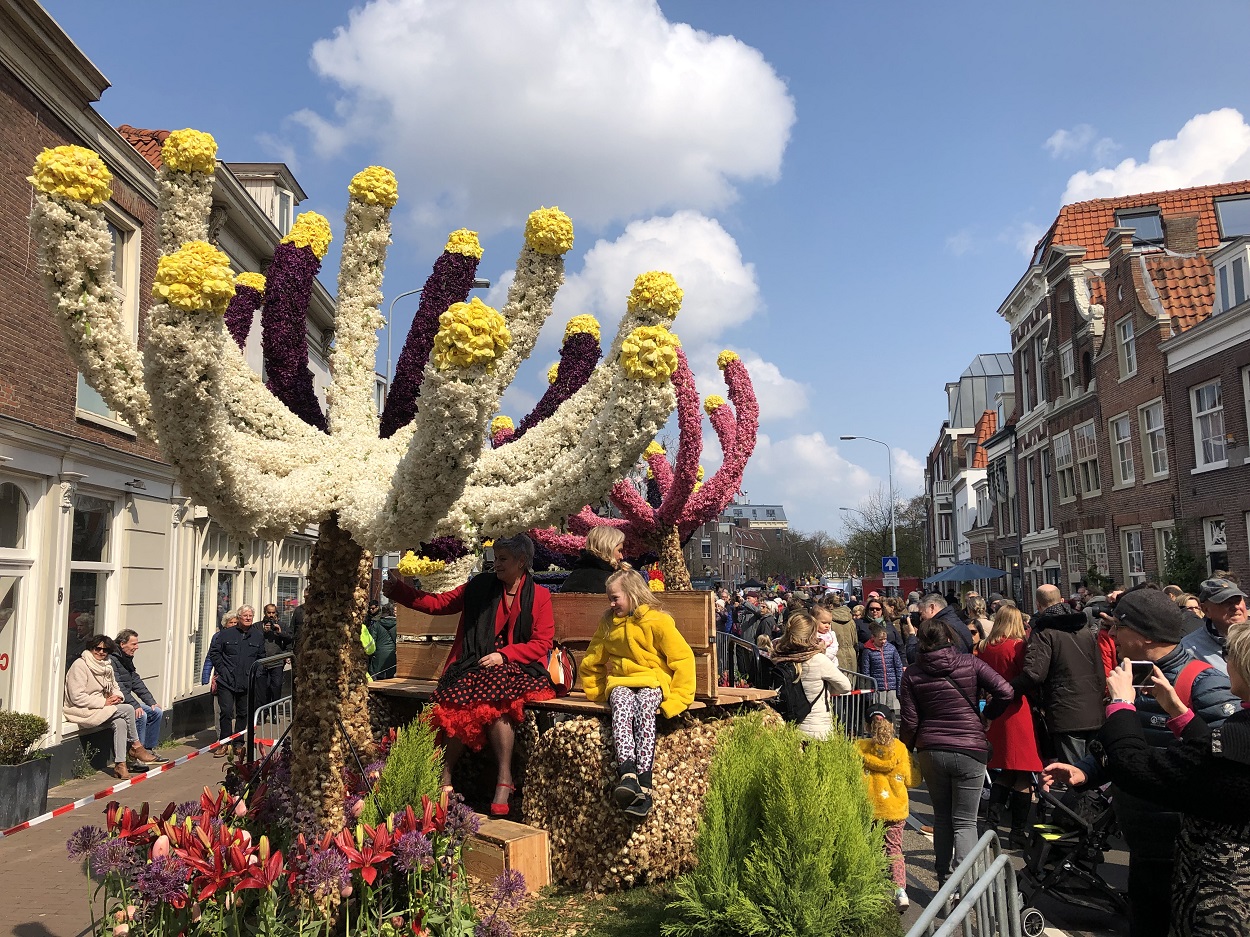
1142 670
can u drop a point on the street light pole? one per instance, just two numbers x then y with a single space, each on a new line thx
890 458
478 284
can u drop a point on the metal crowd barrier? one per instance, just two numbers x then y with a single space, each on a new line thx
739 659
269 724
852 708
261 686
989 902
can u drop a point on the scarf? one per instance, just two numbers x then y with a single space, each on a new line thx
102 670
482 597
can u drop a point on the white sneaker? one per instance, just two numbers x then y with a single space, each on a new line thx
900 899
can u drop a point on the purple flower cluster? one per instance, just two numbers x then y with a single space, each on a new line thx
462 822
241 311
114 857
578 356
509 888
449 283
493 926
413 852
83 840
325 872
163 881
284 320
443 548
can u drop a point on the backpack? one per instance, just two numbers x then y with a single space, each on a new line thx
791 702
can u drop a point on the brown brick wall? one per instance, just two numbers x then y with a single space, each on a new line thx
38 383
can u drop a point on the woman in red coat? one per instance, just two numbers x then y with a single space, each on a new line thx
1015 745
497 662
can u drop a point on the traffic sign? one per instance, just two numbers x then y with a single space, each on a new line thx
890 579
889 564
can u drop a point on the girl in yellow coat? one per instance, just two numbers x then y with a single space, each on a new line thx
637 662
887 773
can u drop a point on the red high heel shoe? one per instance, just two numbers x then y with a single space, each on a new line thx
502 810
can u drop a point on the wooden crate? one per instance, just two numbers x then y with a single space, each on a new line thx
578 615
421 660
500 845
410 623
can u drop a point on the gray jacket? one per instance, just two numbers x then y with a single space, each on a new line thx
1205 644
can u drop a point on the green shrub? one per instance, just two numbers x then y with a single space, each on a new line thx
787 846
18 732
414 767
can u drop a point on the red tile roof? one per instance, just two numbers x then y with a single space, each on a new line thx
147 142
1085 224
987 426
1186 287
1097 290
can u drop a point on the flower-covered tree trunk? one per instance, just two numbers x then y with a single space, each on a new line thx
672 560
331 675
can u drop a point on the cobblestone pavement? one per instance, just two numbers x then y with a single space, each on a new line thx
43 893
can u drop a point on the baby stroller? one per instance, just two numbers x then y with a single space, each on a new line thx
1065 849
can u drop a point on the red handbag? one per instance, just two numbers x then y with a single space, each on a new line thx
561 668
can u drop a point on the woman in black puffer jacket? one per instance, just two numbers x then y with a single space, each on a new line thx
941 722
600 559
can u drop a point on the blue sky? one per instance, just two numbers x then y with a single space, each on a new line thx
847 191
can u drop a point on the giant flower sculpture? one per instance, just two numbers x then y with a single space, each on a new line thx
266 459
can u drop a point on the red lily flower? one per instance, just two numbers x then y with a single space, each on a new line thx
265 873
126 823
433 815
373 852
210 807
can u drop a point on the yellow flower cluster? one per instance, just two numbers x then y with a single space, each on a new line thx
713 403
655 585
488 543
413 565
374 185
699 475
501 423
196 277
650 352
464 241
656 290
549 231
553 373
189 151
310 230
724 358
255 280
582 323
72 172
470 333
653 448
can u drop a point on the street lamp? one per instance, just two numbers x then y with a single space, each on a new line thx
478 284
890 457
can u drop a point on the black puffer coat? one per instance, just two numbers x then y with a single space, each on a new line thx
589 575
937 700
1063 667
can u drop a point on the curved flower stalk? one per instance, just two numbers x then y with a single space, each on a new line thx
284 316
502 431
579 353
249 293
185 187
350 398
449 283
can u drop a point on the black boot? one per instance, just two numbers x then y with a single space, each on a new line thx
627 787
641 805
994 811
1021 804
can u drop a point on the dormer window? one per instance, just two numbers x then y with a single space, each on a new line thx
1147 225
1234 216
285 202
1230 277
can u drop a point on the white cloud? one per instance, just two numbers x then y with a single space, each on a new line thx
960 243
779 397
1065 144
1023 236
487 109
1210 148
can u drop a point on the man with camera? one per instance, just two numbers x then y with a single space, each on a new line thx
1223 605
1148 627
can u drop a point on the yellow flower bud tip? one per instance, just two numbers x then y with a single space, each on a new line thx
583 323
713 403
500 423
553 374
725 357
488 543
655 585
699 475
463 241
74 173
413 565
195 278
189 151
468 334
649 352
255 280
658 291
375 185
653 448
650 475
549 231
310 230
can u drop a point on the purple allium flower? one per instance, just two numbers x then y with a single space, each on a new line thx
325 872
284 321
413 852
83 841
188 808
114 857
462 822
494 926
509 888
164 881
374 768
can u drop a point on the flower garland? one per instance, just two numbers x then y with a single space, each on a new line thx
502 431
553 373
185 187
578 356
650 353
658 290
249 293
74 173
468 334
449 283
549 231
196 277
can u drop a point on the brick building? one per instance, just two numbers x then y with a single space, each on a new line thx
95 534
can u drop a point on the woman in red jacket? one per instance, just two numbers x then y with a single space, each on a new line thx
497 662
1011 735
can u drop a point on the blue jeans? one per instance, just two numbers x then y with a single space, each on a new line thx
954 781
149 725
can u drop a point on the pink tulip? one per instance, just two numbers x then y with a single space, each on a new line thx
160 848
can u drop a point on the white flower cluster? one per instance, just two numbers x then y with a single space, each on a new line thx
456 573
533 290
185 200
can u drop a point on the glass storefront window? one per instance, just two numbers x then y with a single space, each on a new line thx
9 586
13 510
86 612
288 597
92 519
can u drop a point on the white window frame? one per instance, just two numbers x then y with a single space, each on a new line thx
1067 372
1227 293
1245 395
1165 534
1047 515
1074 557
1065 467
18 563
1126 346
108 604
1215 539
1026 378
1095 542
1122 449
1154 440
1088 473
1030 476
1134 559
1205 430
1039 379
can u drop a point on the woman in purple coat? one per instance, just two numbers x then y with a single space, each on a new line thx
941 722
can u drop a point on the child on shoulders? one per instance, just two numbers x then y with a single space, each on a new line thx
637 662
888 774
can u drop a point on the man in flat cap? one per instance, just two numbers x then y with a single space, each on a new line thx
1223 605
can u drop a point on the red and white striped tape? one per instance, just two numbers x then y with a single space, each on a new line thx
116 788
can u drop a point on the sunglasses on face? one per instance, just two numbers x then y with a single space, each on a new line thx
100 648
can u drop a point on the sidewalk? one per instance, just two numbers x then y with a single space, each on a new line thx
45 894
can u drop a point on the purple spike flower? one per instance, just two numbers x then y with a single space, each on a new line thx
413 852
325 872
241 311
164 881
508 890
578 356
284 318
83 841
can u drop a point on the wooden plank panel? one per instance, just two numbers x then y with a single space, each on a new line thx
410 623
421 660
578 615
502 844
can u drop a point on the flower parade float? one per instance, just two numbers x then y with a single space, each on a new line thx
265 460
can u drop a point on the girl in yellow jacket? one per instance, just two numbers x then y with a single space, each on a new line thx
637 662
887 773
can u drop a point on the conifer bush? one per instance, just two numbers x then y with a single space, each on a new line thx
787 846
414 766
